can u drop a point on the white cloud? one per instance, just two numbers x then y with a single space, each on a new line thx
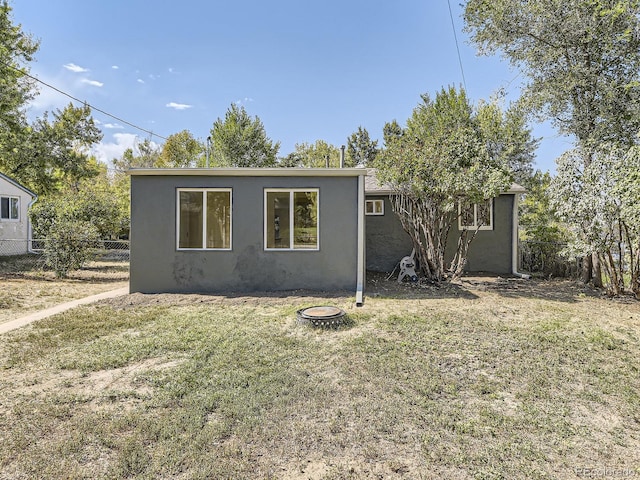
93 83
115 67
75 68
113 125
107 151
140 80
178 106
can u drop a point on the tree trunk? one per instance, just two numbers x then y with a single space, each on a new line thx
587 269
597 271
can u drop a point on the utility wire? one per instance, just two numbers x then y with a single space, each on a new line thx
455 35
84 102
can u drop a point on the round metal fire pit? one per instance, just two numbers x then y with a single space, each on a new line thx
323 316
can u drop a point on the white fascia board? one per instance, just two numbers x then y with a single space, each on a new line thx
248 172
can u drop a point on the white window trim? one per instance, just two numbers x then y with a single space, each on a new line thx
9 219
204 219
475 218
291 219
374 201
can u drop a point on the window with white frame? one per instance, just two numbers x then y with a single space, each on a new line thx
374 207
9 208
204 219
475 216
291 219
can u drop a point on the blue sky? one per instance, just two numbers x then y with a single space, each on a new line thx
309 69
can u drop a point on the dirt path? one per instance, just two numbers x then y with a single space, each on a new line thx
22 321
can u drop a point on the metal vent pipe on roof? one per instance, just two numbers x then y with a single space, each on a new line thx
342 156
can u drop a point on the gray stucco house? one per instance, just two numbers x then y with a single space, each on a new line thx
247 229
15 227
270 229
494 249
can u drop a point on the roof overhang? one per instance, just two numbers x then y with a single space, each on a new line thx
513 189
16 184
249 172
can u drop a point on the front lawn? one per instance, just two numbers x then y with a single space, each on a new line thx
25 286
493 379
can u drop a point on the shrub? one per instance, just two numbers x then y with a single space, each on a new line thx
69 245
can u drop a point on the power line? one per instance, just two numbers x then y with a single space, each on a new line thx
455 35
84 102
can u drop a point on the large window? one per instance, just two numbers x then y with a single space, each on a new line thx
9 208
291 219
475 216
204 219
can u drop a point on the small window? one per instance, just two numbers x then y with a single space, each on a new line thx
374 207
291 219
475 216
9 208
204 219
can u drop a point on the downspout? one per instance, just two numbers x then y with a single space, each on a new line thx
360 276
514 241
29 226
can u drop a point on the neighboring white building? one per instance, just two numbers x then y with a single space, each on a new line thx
15 228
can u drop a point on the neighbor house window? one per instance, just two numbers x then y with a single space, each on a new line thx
204 218
475 216
374 207
291 219
9 208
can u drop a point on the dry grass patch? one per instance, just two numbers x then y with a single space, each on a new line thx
26 287
489 379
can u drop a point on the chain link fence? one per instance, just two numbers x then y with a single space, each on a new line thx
105 250
547 259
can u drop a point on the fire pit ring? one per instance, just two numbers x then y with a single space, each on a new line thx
322 316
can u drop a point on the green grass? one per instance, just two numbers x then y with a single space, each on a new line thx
439 390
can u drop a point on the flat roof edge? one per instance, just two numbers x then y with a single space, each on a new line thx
249 172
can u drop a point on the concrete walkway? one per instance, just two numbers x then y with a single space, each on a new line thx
26 320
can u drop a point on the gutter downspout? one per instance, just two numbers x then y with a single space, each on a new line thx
361 250
30 227
514 243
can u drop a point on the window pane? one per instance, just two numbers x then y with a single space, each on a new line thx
305 232
190 220
218 219
4 207
278 220
378 206
14 213
484 213
467 219
369 206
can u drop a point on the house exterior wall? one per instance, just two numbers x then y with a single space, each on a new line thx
14 234
386 240
157 266
490 250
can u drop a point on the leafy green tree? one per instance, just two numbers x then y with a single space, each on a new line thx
601 201
581 61
538 219
361 150
444 157
17 49
97 202
313 155
241 141
144 154
391 132
181 150
55 153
